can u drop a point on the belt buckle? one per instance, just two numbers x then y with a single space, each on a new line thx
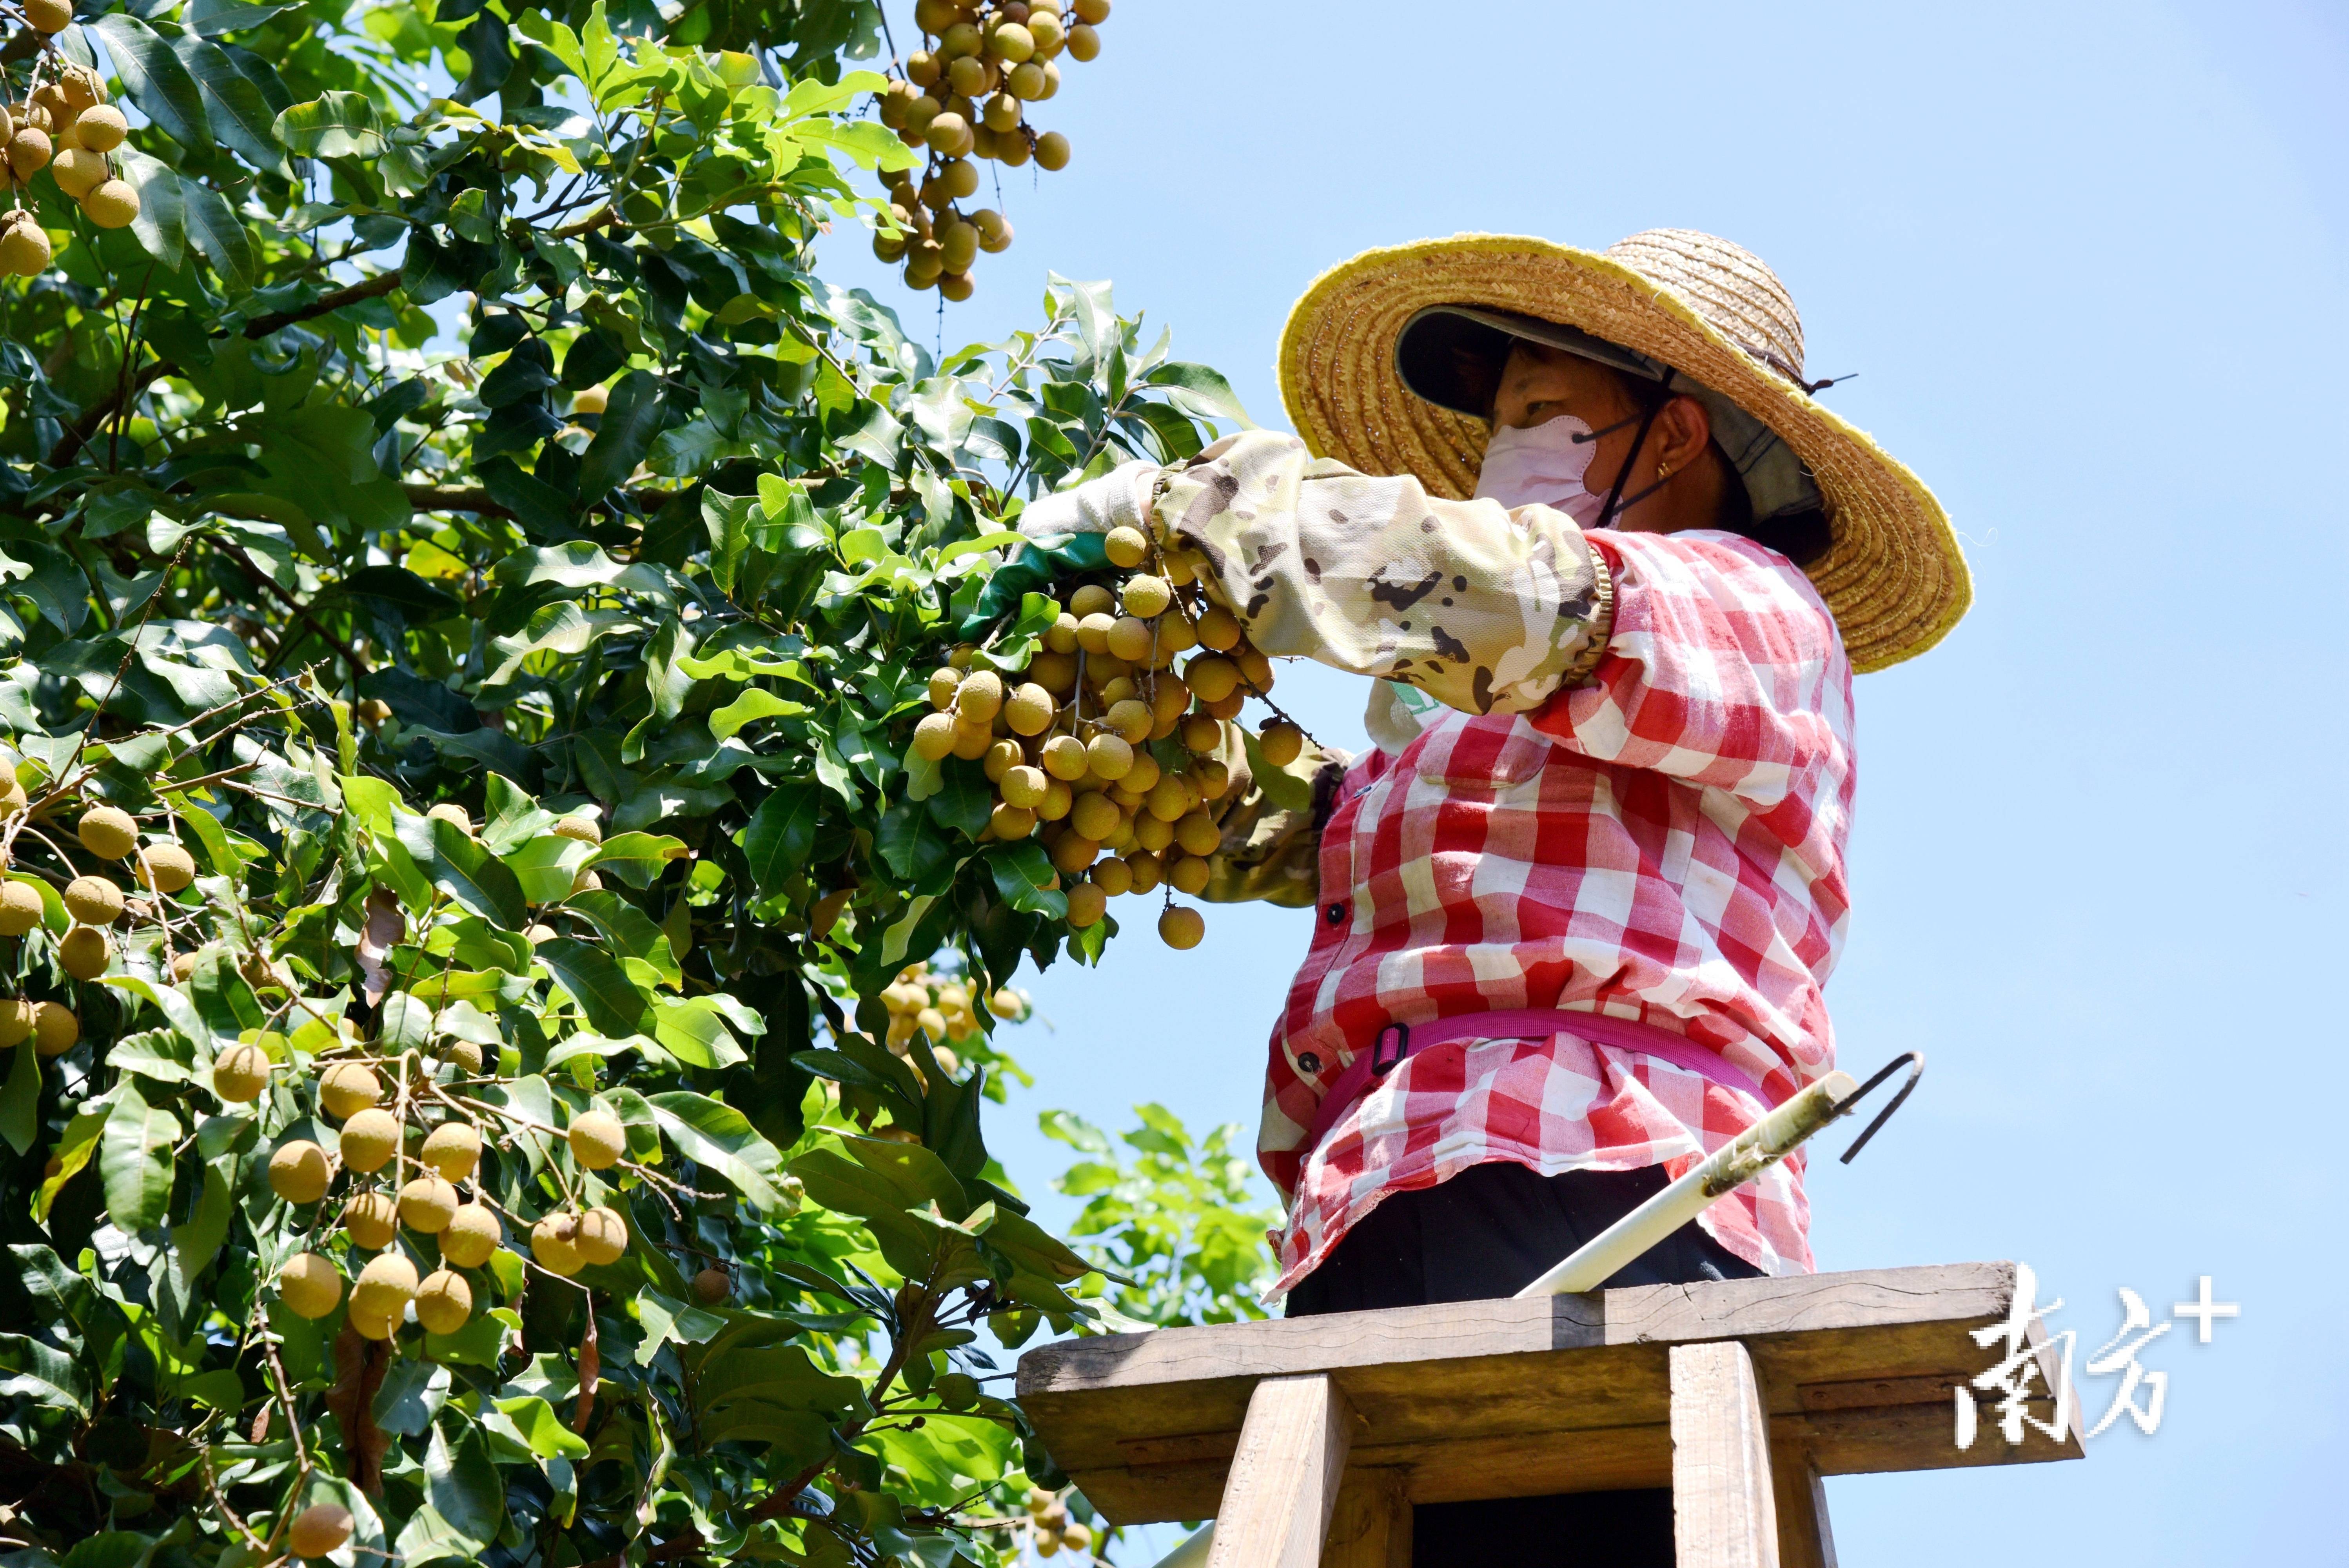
1382 1062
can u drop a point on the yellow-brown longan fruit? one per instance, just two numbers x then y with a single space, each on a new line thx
554 1242
1001 758
108 833
960 39
1065 757
84 953
943 683
1051 148
1058 799
980 696
1169 799
20 908
951 134
467 1055
1132 721
370 1139
239 1073
1110 757
371 1220
1198 833
1074 852
101 128
1093 599
957 247
1093 630
586 830
346 1088
1061 636
1088 902
1153 833
1281 742
165 868
1211 677
455 816
602 1235
28 152
451 1149
1202 734
971 741
1024 786
1146 596
1029 710
1126 546
1189 874
1115 876
1218 630
1212 778
15 1021
56 1029
471 1235
1181 927
711 1286
1083 43
597 1139
427 1204
385 1288
994 228
50 16
1092 12
79 171
112 205
1142 776
1255 668
1130 638
967 76
1011 42
309 1284
1010 822
934 737
298 1172
1095 816
94 901
1148 872
1026 81
443 1301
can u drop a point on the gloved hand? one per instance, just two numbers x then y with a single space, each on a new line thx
1119 499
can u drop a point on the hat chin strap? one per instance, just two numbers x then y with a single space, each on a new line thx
1616 503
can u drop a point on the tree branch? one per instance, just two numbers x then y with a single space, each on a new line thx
94 418
301 611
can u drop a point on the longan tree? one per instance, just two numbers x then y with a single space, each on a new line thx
498 980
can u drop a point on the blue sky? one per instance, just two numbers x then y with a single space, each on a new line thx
2087 262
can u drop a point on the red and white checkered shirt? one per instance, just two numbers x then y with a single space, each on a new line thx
1664 843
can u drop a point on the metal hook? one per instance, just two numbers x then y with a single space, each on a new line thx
1916 1061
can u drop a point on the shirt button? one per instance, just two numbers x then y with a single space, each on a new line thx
1335 914
1308 1064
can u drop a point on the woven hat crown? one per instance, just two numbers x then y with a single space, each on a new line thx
1726 285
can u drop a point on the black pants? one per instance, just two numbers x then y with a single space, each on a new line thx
1487 1233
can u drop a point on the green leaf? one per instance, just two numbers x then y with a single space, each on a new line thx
541 1429
630 421
513 817
721 1139
160 227
44 1373
195 1243
1024 875
74 1145
464 1487
637 859
465 870
780 836
612 1003
135 1160
333 125
20 1100
212 226
156 78
631 932
1199 391
756 704
237 113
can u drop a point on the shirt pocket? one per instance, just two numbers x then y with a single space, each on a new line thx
1496 751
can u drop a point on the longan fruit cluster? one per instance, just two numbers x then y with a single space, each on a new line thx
966 95
942 1006
1051 1527
67 128
95 901
1101 746
422 1192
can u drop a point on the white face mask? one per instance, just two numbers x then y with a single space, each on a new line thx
1542 466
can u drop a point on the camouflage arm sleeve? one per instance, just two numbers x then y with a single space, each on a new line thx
1483 609
1272 852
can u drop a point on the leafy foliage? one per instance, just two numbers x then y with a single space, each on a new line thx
533 719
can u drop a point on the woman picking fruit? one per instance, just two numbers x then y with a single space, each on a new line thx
1613 566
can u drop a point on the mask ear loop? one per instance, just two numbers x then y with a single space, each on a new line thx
1615 492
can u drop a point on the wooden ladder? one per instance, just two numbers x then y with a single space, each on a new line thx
1309 1440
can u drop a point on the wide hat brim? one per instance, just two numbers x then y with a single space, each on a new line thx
1893 577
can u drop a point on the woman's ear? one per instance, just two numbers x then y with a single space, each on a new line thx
1682 433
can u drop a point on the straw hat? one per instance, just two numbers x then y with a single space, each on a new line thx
1358 380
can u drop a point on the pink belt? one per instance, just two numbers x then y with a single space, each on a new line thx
1397 1043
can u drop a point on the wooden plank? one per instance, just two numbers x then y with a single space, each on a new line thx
1284 1476
1804 1538
1370 1526
1482 1399
1724 1514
